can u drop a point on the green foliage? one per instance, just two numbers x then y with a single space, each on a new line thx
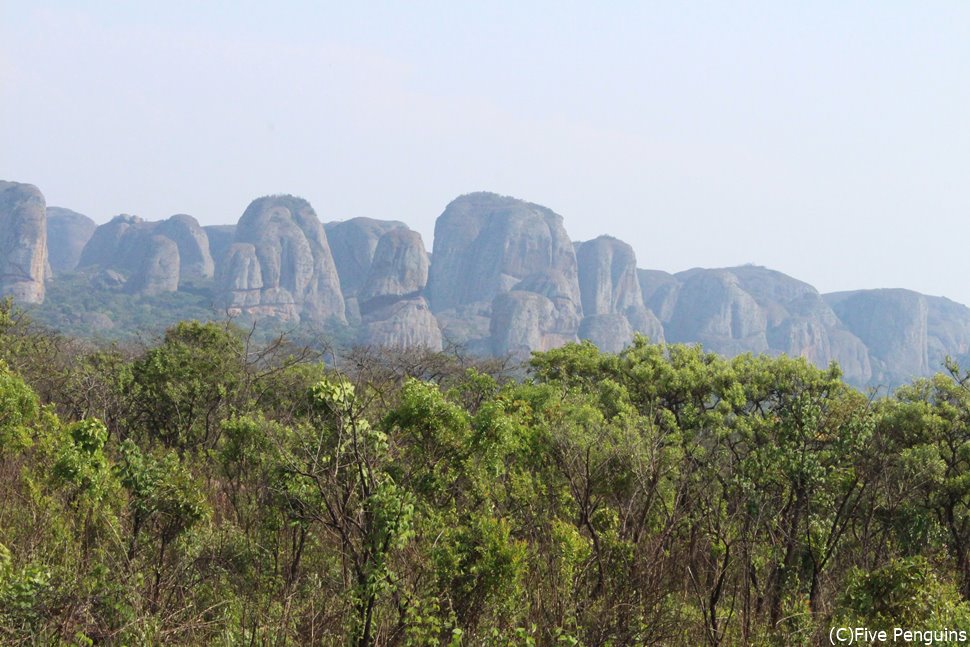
209 490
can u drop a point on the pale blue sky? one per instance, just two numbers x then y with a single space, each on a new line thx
828 140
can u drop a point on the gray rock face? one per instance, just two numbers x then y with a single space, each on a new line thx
608 279
659 291
484 244
287 250
23 242
402 323
353 243
523 322
159 272
610 290
753 309
399 268
220 238
193 245
893 324
127 244
119 244
67 234
394 312
610 332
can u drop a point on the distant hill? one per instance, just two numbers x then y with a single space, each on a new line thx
504 278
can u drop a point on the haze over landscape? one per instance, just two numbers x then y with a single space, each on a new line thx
827 141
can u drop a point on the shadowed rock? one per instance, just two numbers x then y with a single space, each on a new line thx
353 243
67 234
394 312
23 242
159 271
893 324
399 268
220 238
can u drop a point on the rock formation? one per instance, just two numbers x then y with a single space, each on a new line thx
195 260
393 311
894 326
67 234
353 243
220 238
160 269
612 299
23 242
486 245
127 244
756 310
280 264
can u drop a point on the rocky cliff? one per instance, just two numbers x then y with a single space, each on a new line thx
67 234
906 333
130 247
353 243
280 264
611 295
23 242
504 279
393 310
487 245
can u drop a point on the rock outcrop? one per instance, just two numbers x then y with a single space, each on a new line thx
159 271
67 234
753 309
23 242
894 326
127 244
393 310
612 298
195 260
486 245
280 264
353 243
220 238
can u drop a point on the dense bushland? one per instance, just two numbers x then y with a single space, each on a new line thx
209 490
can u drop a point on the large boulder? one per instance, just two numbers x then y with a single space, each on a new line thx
393 311
486 245
610 290
296 271
353 243
23 242
126 244
67 234
757 310
399 268
159 270
193 244
402 323
523 322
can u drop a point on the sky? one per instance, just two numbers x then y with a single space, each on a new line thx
826 140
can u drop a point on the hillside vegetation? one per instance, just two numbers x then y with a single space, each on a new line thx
211 490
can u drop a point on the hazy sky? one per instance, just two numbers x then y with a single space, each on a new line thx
830 141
